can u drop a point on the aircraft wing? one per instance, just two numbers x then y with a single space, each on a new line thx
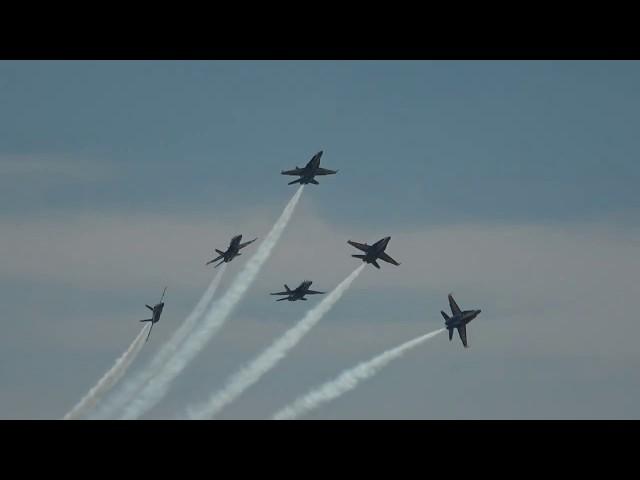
280 293
313 292
387 258
242 245
295 171
462 330
381 242
455 309
215 259
359 246
324 171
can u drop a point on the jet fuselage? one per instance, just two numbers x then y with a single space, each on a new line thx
307 179
157 311
300 292
458 320
297 293
374 252
462 319
232 251
309 171
380 246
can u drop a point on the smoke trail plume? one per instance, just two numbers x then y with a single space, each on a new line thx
108 379
347 380
131 387
156 389
268 359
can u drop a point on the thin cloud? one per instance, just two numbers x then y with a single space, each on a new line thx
52 168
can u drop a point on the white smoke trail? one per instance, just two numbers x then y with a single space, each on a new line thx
108 379
156 389
347 380
268 359
130 388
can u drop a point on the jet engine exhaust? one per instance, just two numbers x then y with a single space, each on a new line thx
109 379
214 319
347 380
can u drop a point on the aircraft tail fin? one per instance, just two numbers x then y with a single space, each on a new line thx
375 264
295 181
314 181
219 252
362 257
281 299
147 320
287 287
446 317
450 334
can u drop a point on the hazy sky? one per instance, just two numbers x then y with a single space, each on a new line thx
511 184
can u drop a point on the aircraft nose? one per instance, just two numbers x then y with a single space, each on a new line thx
478 311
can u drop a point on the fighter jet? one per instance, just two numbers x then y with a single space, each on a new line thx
374 252
233 251
297 293
156 312
307 173
459 320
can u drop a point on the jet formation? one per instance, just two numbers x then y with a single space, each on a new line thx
232 252
297 293
156 311
372 253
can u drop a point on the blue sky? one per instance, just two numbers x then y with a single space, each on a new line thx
511 183
544 140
